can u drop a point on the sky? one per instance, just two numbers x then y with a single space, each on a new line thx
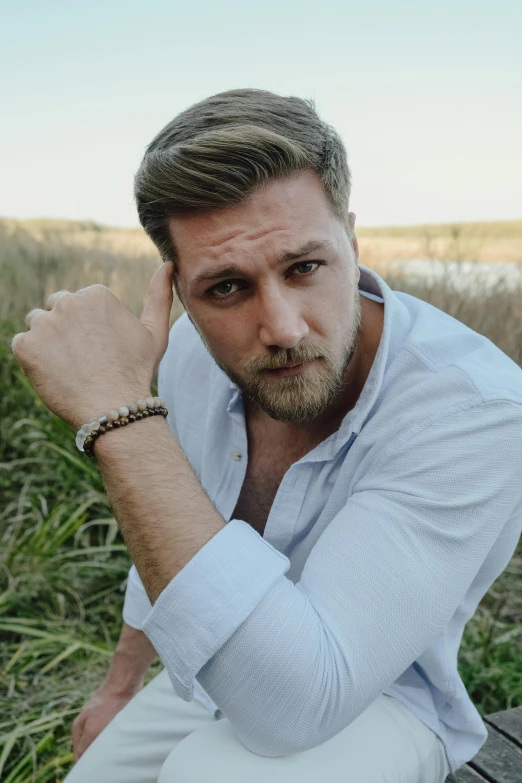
426 96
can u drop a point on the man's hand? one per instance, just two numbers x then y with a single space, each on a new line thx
96 714
87 353
133 656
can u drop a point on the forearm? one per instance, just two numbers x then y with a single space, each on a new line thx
132 658
163 512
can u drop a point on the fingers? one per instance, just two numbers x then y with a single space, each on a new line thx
156 313
77 731
37 312
14 341
53 298
31 316
85 741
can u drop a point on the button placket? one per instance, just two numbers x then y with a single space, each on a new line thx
286 507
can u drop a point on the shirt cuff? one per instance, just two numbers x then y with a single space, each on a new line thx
136 604
202 606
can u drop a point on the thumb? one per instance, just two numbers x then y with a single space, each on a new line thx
156 313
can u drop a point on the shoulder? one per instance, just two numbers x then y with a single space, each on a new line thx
442 372
445 345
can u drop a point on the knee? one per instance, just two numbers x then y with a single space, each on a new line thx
209 753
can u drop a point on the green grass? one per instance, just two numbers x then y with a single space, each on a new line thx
63 568
63 565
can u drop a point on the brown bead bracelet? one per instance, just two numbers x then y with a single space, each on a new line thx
88 445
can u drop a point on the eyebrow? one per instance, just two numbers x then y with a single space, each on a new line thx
230 271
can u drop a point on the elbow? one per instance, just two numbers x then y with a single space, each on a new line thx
272 747
288 737
270 738
269 747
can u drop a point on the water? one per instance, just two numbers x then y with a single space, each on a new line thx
463 276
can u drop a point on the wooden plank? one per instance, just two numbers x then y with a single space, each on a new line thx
465 775
498 759
508 722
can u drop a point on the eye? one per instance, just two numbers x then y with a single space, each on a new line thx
222 290
226 289
304 267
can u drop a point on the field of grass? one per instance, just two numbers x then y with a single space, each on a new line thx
63 565
41 256
495 242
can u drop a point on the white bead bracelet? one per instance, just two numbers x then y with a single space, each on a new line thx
87 434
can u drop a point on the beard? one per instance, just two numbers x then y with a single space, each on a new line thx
303 397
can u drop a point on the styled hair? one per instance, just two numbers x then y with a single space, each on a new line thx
216 152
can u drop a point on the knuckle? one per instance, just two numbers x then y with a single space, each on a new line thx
98 288
63 300
78 721
18 343
30 315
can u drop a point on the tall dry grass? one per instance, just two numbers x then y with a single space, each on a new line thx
39 257
488 242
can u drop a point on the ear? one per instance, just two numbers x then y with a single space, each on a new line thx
176 282
353 238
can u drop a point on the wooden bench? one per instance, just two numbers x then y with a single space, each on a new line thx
500 758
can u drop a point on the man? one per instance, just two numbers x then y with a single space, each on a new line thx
339 483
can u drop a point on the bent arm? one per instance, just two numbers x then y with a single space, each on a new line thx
163 512
378 588
289 665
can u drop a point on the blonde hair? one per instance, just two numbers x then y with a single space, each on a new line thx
216 152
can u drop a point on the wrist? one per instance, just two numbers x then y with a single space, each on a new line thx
132 658
94 409
119 443
125 676
125 687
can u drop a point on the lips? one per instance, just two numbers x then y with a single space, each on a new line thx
286 366
297 367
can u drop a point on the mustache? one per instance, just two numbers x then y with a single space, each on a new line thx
298 355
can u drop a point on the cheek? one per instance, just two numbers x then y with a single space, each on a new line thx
330 313
229 335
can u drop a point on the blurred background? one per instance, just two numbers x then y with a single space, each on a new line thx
428 100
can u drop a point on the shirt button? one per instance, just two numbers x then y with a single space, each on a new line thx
236 454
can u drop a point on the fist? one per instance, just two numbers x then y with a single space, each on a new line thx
87 353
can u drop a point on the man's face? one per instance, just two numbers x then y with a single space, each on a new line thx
257 310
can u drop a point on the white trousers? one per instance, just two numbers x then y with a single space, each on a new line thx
159 738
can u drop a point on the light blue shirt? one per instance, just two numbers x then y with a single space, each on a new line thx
380 543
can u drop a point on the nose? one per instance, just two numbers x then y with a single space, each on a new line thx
282 324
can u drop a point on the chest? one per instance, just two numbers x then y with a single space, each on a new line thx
257 496
267 464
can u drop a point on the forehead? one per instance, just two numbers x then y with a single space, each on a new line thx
283 212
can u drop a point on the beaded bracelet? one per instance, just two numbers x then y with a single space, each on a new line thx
87 434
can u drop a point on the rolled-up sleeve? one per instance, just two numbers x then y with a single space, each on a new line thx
136 604
290 666
207 601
